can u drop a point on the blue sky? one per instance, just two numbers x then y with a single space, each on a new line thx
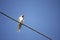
42 15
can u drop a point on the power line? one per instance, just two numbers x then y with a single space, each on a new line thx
25 25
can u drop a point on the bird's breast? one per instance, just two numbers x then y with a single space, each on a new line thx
21 20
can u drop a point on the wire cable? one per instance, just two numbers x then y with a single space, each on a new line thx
26 26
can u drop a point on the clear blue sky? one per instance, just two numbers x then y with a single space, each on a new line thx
42 15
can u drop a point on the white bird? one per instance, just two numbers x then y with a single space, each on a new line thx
21 20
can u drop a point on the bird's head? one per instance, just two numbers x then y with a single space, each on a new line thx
22 15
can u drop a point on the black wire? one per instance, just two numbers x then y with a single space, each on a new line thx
26 26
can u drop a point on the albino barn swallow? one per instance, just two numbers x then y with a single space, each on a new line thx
21 20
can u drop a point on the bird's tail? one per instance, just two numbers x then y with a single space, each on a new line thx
19 27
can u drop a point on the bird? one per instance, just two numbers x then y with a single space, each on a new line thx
21 21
